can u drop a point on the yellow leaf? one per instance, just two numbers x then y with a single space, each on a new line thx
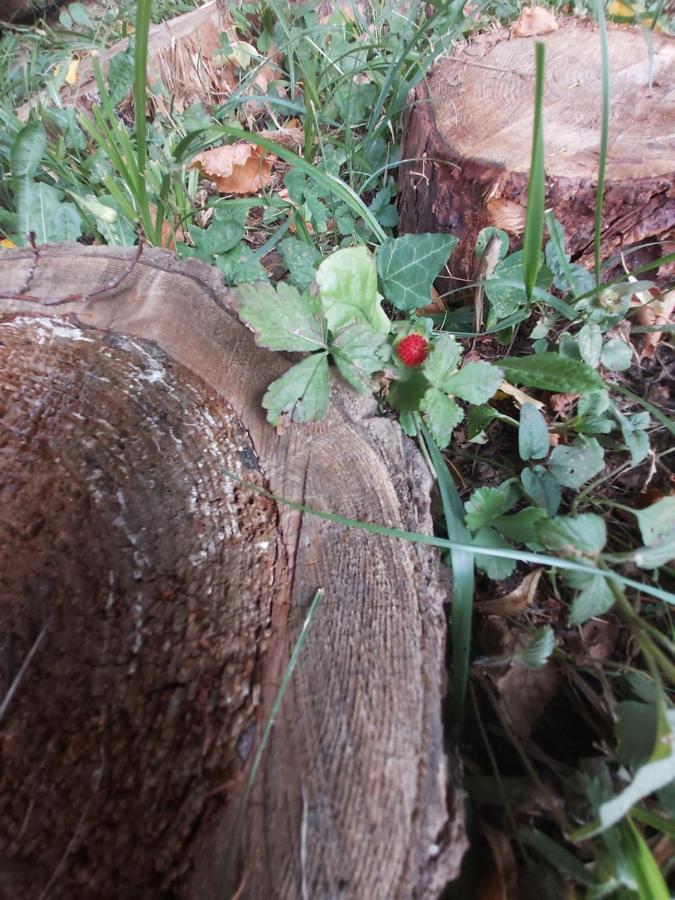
237 168
516 394
7 244
71 74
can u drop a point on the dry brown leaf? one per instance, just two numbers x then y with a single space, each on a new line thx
288 136
499 880
239 168
599 638
534 20
269 71
658 311
562 403
507 215
515 602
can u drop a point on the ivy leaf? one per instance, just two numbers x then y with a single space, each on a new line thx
347 282
476 382
488 503
301 260
552 372
533 442
283 319
358 351
442 414
495 567
218 238
506 288
575 465
442 361
408 265
301 392
239 266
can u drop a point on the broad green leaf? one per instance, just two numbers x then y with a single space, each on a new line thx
522 527
542 488
552 372
635 731
489 503
656 773
301 393
301 260
536 188
616 355
494 567
408 265
540 650
475 382
28 149
590 344
593 404
359 351
533 442
218 238
442 361
586 534
575 465
347 282
656 521
41 210
283 319
506 289
485 235
406 394
594 599
441 414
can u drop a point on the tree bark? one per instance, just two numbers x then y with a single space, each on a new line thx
156 595
468 133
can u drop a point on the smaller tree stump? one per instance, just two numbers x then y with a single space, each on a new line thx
468 135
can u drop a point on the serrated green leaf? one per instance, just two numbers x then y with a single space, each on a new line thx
635 731
301 260
408 265
494 567
506 288
552 372
359 351
586 534
347 282
489 503
540 650
533 442
656 521
521 527
616 355
542 488
575 465
283 319
302 392
595 599
441 414
442 361
406 394
475 382
590 344
27 150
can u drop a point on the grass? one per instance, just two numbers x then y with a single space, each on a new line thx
346 80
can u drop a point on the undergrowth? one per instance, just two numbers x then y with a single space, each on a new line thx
547 406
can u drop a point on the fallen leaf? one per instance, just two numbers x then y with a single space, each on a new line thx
507 215
239 168
292 137
658 311
534 20
599 638
519 396
71 74
269 71
562 403
7 244
515 602
498 880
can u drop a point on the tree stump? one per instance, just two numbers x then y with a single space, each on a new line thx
468 134
151 597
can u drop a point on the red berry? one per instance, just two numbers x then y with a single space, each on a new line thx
413 350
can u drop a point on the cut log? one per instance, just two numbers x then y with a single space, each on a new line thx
156 595
468 134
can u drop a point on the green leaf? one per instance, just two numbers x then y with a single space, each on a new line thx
536 188
540 650
647 875
586 533
485 236
40 209
28 149
408 265
442 361
494 567
301 392
406 394
283 319
656 521
121 74
590 344
301 260
575 465
552 372
616 355
489 503
442 415
347 282
475 382
359 351
542 488
239 266
533 442
218 238
522 527
506 288
595 598
635 731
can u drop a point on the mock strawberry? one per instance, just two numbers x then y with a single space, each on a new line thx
413 350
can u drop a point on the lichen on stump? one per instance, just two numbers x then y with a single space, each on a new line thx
468 133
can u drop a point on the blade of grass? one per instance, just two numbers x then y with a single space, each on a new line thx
462 576
536 188
604 136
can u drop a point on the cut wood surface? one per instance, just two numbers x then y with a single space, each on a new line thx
468 134
162 596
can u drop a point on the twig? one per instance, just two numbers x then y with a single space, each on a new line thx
75 298
19 675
